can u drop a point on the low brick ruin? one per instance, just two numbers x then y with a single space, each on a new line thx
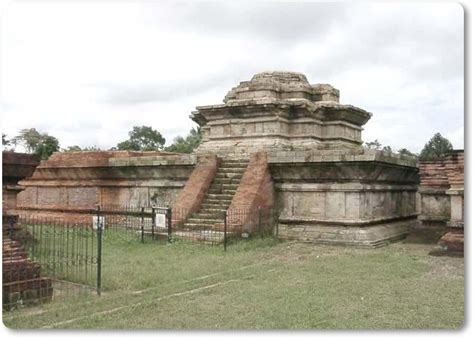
69 184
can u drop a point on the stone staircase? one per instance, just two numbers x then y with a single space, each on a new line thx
218 196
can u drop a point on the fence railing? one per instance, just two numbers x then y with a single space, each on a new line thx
162 223
131 222
40 252
220 227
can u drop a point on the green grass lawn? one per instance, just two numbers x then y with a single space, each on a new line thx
264 284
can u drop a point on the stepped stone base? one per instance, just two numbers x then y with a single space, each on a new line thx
363 236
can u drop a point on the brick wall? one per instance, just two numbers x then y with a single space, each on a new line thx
74 182
190 198
255 190
454 169
433 174
441 191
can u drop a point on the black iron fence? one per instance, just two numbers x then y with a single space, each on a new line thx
222 227
166 225
44 257
133 222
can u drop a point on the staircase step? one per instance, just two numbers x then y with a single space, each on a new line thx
213 206
229 175
213 209
234 161
222 191
203 221
222 181
195 226
223 185
219 196
208 215
232 169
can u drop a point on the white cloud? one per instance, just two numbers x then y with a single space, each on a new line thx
87 72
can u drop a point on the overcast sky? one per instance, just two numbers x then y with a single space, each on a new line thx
87 72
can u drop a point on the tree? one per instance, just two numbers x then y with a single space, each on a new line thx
143 138
437 147
188 144
41 144
48 146
387 149
373 145
76 148
30 138
7 142
404 151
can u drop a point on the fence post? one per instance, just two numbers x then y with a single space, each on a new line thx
225 231
99 251
142 225
153 222
169 216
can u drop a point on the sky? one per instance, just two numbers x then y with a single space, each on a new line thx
87 72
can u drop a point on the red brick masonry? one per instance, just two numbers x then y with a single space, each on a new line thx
191 196
446 174
255 190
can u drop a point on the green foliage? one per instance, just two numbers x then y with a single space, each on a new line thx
373 145
77 148
188 144
404 151
376 145
142 138
437 147
5 141
48 146
41 144
30 138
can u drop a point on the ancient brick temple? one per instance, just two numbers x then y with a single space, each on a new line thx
276 141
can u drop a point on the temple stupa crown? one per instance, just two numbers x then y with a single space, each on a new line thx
277 111
282 85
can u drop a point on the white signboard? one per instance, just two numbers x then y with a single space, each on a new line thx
160 220
94 221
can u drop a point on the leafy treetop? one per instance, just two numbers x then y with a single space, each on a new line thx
437 147
142 138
